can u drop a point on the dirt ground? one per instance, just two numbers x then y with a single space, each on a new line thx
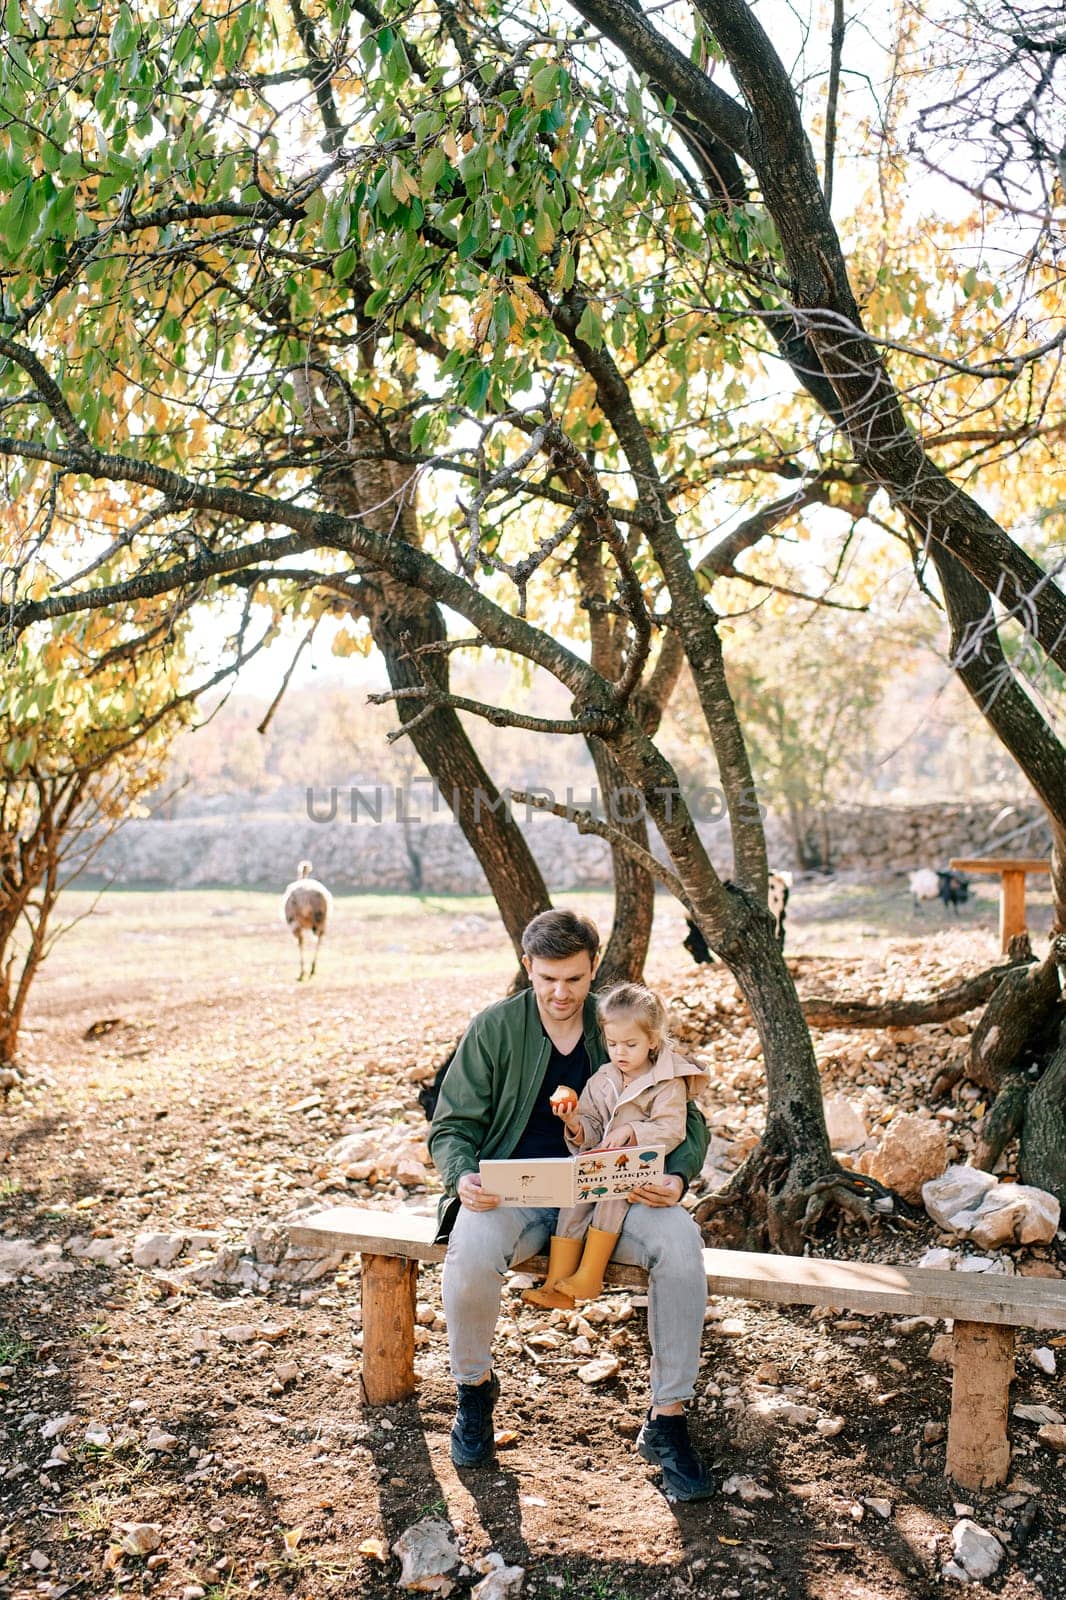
228 1420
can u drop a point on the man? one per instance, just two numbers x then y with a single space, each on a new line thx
494 1104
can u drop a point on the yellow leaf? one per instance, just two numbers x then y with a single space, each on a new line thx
375 1548
291 1538
481 315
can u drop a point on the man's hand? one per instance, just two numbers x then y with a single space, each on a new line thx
473 1197
665 1191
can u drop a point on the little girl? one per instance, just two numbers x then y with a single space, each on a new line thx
640 1097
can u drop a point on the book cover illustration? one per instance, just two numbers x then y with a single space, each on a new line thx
571 1180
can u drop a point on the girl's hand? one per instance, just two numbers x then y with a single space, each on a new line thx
619 1138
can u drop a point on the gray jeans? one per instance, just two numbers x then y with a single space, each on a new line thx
662 1239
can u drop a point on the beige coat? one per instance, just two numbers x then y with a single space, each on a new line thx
654 1103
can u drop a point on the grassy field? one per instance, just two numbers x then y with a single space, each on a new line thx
237 939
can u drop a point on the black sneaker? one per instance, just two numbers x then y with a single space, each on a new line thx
472 1444
664 1441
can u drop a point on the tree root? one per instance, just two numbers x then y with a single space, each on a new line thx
763 1205
826 1012
1002 1122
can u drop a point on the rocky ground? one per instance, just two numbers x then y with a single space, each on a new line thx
181 1412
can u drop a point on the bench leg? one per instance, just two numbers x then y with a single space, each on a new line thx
978 1446
1011 908
388 1328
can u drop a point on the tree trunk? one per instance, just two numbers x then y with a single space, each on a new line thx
442 742
626 949
10 1023
1017 1013
779 1193
401 621
634 892
1042 1159
14 994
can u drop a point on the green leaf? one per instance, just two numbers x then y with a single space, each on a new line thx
344 265
590 327
476 392
543 83
18 219
433 168
123 33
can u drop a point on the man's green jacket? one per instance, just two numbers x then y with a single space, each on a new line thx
489 1090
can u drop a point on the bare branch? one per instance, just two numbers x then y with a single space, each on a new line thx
585 822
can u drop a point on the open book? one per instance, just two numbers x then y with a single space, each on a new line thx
570 1180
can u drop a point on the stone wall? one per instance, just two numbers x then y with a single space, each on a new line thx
892 838
256 850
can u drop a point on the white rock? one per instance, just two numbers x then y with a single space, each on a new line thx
1037 1413
239 1333
98 1434
829 1427
600 1370
845 1123
993 1214
428 1553
959 1190
939 1258
977 1551
55 1427
1045 1360
880 1508
22 1258
910 1324
1015 1213
157 1249
140 1538
747 1488
778 1408
1001 1264
501 1581
160 1442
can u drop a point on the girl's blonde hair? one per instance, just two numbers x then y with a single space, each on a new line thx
643 1005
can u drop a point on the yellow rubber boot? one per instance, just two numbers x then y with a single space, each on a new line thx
587 1282
563 1257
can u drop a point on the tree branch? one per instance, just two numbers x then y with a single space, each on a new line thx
585 822
827 1012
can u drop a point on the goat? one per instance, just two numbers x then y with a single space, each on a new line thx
950 887
778 888
306 906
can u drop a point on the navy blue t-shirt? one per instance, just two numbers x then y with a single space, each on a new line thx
543 1135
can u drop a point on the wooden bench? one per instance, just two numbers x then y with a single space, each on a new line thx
986 1308
1012 874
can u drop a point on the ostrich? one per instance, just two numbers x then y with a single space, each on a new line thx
306 909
